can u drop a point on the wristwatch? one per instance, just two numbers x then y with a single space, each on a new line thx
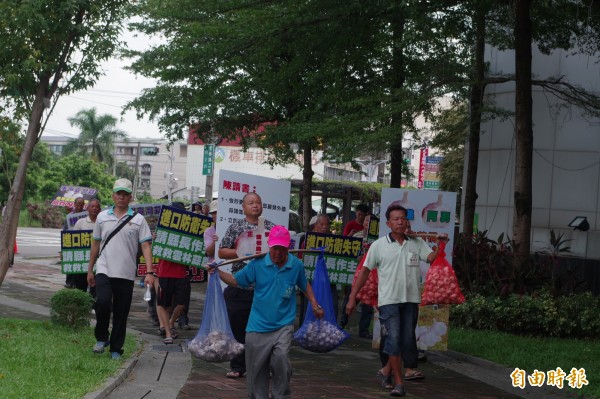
152 273
317 308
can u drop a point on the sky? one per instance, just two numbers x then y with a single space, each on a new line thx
108 96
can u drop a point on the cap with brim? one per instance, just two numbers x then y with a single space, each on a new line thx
279 236
122 185
213 206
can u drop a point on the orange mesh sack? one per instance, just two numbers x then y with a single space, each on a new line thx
368 293
441 284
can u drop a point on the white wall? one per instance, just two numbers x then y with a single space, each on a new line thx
251 162
566 158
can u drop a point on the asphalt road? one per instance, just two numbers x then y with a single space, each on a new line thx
36 242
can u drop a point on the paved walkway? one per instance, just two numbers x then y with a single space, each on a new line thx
160 371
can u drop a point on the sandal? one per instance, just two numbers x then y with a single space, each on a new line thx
174 332
398 391
168 341
161 331
413 375
385 380
234 374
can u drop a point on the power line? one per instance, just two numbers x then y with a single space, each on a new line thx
96 102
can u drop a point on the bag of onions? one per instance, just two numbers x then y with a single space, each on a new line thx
369 292
215 342
321 335
441 284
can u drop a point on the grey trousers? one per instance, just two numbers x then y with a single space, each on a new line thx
268 353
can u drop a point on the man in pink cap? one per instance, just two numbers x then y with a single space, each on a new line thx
271 323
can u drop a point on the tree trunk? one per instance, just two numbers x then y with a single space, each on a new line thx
15 197
524 134
307 175
397 81
476 104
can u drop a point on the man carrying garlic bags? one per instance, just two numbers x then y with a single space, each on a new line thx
396 257
271 324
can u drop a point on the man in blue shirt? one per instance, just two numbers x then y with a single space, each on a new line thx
271 323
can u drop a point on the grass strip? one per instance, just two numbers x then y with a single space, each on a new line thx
533 353
40 359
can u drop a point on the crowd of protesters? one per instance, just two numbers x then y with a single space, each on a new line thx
111 278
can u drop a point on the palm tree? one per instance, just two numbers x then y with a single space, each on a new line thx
97 136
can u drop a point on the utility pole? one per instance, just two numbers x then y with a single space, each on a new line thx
136 171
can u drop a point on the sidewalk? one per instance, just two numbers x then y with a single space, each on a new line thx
161 371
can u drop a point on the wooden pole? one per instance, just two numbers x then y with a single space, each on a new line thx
244 258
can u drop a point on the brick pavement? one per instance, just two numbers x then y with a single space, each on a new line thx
348 372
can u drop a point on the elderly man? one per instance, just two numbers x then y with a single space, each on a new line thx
87 223
117 235
269 332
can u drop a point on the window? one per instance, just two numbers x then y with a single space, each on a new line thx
146 169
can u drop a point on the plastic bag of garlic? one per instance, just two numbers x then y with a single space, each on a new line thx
216 347
215 342
321 335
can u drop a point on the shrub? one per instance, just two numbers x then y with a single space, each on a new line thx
71 308
487 267
541 314
47 215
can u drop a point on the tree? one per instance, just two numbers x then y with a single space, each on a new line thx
97 136
451 128
310 75
76 170
47 48
567 25
523 194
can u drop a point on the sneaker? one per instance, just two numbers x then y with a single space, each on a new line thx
185 327
115 355
99 347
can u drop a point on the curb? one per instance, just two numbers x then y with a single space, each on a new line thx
114 381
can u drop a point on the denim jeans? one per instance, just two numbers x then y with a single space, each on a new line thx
398 323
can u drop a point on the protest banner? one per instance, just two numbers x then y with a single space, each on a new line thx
75 248
180 237
341 256
275 195
66 195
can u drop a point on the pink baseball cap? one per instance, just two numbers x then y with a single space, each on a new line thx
279 235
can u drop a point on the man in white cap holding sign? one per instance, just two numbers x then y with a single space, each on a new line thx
117 235
271 324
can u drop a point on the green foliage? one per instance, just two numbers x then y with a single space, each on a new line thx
57 41
321 74
540 314
451 129
487 267
97 136
78 171
71 308
557 245
123 170
534 353
11 144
